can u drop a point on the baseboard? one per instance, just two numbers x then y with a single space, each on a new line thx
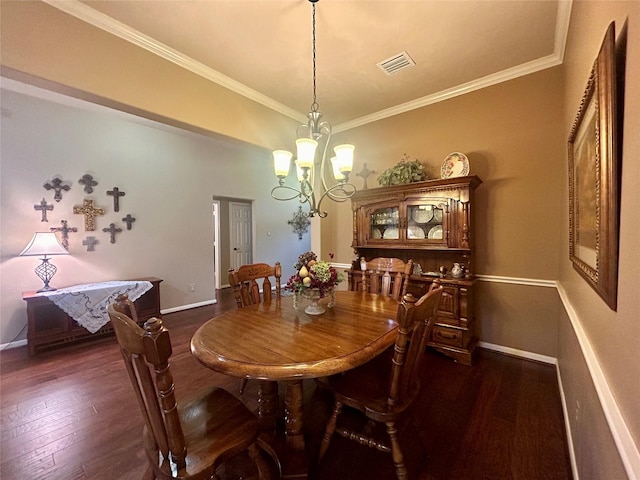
519 353
567 427
14 344
189 306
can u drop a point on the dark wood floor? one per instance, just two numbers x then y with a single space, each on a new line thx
70 414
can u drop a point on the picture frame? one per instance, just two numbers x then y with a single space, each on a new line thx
594 178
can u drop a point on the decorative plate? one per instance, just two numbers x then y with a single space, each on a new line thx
435 233
375 233
415 232
392 233
437 215
422 214
455 165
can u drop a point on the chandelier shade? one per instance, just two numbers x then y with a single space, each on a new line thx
312 137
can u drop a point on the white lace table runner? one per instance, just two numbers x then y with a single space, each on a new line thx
87 304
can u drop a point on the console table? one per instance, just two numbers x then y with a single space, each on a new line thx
49 326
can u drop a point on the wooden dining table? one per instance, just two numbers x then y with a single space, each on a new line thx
276 342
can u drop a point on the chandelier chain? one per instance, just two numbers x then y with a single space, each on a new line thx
314 105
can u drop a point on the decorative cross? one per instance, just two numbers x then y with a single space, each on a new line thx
128 220
56 185
112 231
43 207
364 173
64 230
300 222
88 182
90 243
116 193
90 213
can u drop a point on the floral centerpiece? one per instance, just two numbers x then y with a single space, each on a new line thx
313 279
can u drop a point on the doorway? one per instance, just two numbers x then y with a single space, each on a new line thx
233 236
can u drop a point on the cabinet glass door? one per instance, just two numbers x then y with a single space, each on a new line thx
384 224
426 222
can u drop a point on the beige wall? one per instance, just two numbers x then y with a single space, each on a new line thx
514 137
611 337
77 59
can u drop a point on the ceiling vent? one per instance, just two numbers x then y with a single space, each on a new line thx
397 63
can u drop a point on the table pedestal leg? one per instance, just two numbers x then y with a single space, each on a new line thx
267 405
293 415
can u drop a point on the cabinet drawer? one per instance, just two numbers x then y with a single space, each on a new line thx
447 336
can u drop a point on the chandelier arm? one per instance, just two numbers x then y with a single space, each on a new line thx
347 194
297 194
323 161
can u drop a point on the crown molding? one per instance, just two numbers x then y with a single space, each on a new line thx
120 30
110 25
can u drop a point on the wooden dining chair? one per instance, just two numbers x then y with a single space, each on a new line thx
385 388
187 441
246 288
388 276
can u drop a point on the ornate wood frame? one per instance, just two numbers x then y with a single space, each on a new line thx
594 178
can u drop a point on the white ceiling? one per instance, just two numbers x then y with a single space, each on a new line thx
262 48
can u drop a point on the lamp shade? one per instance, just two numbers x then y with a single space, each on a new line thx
44 243
281 162
335 166
344 154
306 148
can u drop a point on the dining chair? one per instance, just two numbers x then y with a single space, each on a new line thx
384 388
246 288
388 276
244 282
182 441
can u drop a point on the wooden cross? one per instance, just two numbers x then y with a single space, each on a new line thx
116 194
88 182
64 230
112 231
128 220
90 213
90 243
56 185
364 173
43 207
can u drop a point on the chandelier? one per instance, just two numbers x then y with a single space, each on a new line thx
309 136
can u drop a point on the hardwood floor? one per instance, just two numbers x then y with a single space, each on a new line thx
70 414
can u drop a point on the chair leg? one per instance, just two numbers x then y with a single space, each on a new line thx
329 431
396 452
264 472
243 384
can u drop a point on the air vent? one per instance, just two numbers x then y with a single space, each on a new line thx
397 63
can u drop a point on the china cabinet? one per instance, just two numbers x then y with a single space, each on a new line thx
432 224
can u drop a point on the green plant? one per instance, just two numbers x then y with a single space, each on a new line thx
405 171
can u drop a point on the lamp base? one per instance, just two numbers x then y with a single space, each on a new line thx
46 288
45 271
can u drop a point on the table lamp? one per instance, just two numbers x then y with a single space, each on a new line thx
44 243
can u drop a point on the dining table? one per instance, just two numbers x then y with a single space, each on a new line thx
276 341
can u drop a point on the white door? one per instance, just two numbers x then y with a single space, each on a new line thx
240 233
